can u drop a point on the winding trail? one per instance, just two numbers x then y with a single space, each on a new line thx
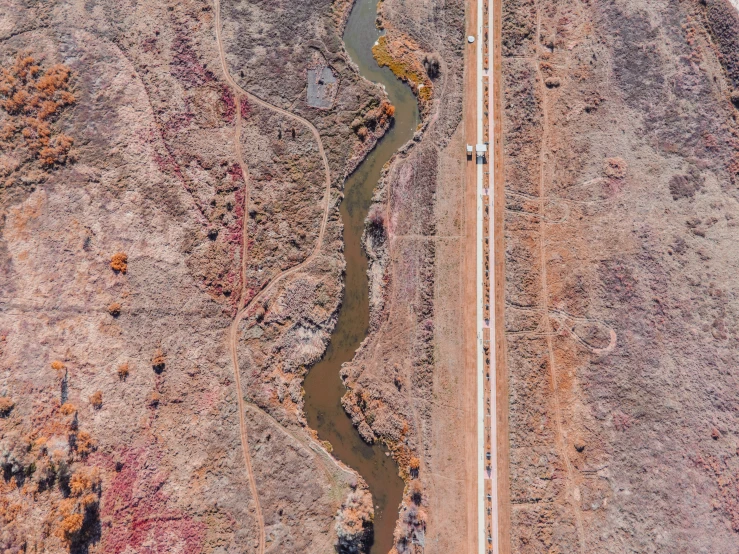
244 306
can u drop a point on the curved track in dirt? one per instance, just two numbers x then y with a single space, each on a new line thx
244 307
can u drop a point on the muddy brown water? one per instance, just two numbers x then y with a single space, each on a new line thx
323 385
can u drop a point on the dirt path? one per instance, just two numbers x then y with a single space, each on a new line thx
469 334
243 306
548 332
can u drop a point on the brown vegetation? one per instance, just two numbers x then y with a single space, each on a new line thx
84 443
158 361
6 406
84 489
154 399
114 309
57 365
96 399
119 262
33 99
123 371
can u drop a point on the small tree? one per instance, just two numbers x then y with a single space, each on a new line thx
6 406
154 399
84 444
158 361
414 465
123 372
96 399
114 309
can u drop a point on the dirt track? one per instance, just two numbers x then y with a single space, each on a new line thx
470 287
243 305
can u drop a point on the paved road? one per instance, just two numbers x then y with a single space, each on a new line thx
488 509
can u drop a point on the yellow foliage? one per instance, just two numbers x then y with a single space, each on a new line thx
57 365
69 525
85 443
88 500
79 483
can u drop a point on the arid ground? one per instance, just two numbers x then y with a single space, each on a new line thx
171 266
171 263
621 171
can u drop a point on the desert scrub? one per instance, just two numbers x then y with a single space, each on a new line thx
114 309
49 491
154 399
158 361
96 399
6 406
80 506
33 98
82 442
123 371
57 365
119 262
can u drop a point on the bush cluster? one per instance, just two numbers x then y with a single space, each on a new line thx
33 98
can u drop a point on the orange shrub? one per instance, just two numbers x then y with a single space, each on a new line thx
84 443
33 98
119 262
6 406
123 372
96 399
159 360
154 399
68 408
57 365
69 526
114 309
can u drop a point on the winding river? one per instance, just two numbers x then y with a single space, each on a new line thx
323 385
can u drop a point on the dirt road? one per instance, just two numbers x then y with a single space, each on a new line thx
243 306
470 286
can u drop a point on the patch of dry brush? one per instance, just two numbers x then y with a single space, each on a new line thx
49 494
32 99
